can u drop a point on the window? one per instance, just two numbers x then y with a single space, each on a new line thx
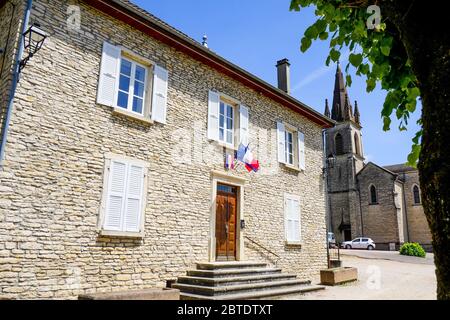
357 240
339 143
226 123
289 147
357 146
124 198
228 120
416 194
132 84
373 195
292 219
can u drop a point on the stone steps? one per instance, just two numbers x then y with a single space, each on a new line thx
239 280
224 281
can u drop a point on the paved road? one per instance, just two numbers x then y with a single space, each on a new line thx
382 276
388 255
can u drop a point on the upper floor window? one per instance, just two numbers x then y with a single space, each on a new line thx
226 123
291 146
373 195
228 120
357 145
339 143
132 85
416 194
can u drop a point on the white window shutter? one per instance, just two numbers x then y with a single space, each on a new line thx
243 125
293 232
301 150
281 142
133 205
159 99
213 115
109 74
116 196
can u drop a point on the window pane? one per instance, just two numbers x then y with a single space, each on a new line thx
291 159
229 136
229 111
229 123
140 74
222 110
221 121
221 134
125 67
124 83
137 105
139 89
122 100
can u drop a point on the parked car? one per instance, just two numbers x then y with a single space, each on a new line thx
359 243
331 240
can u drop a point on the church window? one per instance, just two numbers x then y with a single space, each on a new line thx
373 195
339 142
357 146
416 193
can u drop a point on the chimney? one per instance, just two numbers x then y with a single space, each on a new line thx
284 75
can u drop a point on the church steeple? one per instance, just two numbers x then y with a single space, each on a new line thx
357 115
342 109
327 109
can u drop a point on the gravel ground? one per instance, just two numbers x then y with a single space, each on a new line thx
382 275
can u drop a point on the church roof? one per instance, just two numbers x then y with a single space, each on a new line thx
399 168
377 167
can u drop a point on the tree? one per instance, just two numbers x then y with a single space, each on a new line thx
408 52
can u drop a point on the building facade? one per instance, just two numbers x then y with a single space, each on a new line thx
367 200
113 176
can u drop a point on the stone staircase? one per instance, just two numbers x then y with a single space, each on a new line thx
239 280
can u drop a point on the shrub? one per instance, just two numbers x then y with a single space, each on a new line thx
412 249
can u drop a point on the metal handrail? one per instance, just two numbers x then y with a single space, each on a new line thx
261 246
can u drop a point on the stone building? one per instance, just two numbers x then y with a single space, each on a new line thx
113 174
365 199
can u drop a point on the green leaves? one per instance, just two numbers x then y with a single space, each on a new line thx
306 43
373 54
355 59
335 54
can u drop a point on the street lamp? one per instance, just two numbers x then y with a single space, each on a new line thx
33 39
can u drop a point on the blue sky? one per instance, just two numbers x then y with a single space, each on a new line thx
255 34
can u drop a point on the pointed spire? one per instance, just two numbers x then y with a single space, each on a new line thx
347 109
357 115
337 108
327 109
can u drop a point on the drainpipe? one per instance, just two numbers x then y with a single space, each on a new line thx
12 92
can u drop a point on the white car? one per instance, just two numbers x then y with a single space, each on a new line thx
359 243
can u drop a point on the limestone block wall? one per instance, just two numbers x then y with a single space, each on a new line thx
51 182
380 221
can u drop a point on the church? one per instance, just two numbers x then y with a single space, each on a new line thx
366 199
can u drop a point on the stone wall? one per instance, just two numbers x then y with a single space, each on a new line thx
380 221
418 229
51 182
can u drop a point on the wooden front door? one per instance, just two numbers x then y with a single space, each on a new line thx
226 210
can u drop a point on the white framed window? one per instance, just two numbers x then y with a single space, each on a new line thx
124 197
228 120
226 123
132 84
292 216
291 146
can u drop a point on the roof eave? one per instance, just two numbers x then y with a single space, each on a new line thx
164 34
